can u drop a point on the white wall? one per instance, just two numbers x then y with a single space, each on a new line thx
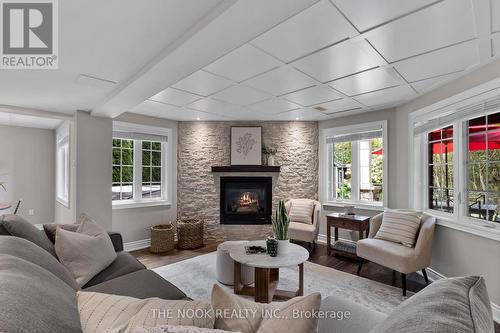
27 157
93 167
134 223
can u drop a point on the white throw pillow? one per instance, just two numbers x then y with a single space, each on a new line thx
177 329
293 316
122 314
399 227
86 252
301 210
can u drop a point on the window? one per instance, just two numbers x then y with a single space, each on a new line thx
139 165
62 165
440 166
483 167
356 164
462 170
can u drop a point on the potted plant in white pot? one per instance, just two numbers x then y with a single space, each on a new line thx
280 223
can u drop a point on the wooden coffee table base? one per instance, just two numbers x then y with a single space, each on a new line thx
266 284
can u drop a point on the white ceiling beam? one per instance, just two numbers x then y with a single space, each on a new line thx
482 17
228 26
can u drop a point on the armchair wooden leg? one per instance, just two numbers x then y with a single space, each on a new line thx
309 246
361 261
403 282
314 246
424 272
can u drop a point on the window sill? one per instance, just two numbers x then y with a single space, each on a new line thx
357 205
475 228
128 205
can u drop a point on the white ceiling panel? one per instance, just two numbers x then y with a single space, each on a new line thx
241 95
387 96
305 114
339 105
317 27
368 14
217 107
160 110
375 79
428 84
495 15
243 63
148 107
274 105
448 60
440 25
203 83
281 81
174 97
313 95
340 60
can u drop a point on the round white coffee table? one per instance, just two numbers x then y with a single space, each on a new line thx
267 271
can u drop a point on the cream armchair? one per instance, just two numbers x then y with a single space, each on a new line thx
303 231
396 256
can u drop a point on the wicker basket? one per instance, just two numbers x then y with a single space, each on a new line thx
189 233
162 238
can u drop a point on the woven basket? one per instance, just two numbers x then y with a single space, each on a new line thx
189 233
162 238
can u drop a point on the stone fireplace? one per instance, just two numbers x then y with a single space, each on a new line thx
245 200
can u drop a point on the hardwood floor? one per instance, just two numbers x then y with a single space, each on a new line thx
415 282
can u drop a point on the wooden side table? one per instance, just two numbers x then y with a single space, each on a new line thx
357 223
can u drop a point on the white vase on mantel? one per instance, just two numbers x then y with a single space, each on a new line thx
270 160
283 246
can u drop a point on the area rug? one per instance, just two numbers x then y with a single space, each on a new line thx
196 277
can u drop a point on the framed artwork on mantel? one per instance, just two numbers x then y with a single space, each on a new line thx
246 145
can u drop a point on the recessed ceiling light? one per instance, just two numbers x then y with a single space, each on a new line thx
296 118
198 118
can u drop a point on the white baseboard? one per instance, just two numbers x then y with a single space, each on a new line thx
137 245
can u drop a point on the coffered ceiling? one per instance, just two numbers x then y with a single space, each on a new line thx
259 59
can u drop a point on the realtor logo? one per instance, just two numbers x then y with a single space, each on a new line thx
29 34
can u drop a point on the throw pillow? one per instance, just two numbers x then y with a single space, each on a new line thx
112 313
456 305
26 250
293 316
399 227
301 210
51 228
19 227
86 252
35 300
177 329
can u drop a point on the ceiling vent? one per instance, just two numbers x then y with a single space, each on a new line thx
320 108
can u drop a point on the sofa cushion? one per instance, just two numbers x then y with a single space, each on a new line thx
399 227
35 300
124 263
301 210
112 313
28 251
140 284
177 329
86 252
347 316
19 227
301 231
297 311
456 305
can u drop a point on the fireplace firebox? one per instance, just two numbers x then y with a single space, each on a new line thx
245 200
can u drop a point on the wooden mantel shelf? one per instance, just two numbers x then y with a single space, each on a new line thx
246 168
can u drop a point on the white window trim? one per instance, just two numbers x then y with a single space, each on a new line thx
167 171
326 170
459 219
63 138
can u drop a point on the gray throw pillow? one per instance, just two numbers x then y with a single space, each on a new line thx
19 227
28 251
459 305
86 252
35 300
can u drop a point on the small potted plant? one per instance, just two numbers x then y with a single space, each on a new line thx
269 155
280 223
